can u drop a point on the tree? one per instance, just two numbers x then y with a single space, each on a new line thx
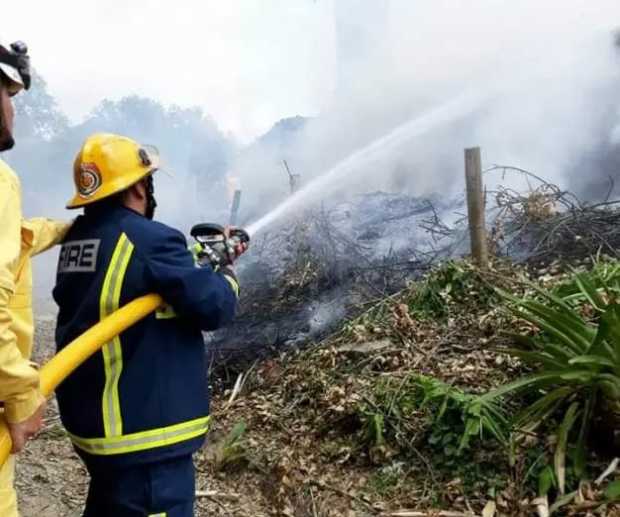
37 113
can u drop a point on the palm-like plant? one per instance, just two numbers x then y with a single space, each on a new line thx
576 361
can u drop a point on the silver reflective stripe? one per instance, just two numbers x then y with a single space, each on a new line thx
144 440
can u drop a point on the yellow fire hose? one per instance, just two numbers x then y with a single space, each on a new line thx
75 353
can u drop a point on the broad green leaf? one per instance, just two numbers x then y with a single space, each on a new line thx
577 346
580 448
536 358
495 412
592 360
494 429
610 384
565 325
609 330
377 426
444 406
559 458
555 300
526 342
539 380
590 292
571 320
235 434
575 334
602 348
472 428
581 376
612 492
530 417
546 480
558 352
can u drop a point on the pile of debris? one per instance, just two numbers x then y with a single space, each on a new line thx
547 223
300 281
327 265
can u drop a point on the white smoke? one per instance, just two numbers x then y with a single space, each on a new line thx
615 136
550 67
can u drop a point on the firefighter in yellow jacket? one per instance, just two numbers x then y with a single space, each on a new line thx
22 404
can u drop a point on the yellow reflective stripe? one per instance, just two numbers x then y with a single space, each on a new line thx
143 440
233 283
158 514
112 351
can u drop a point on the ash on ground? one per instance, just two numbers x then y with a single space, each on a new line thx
303 278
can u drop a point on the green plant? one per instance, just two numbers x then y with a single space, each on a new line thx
388 478
576 361
472 415
451 417
451 282
232 450
604 276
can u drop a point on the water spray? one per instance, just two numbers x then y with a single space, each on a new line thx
460 106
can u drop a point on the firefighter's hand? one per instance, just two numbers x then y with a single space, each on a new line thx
23 431
241 248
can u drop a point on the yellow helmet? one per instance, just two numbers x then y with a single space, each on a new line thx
108 164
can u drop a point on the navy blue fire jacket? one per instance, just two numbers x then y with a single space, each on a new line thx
144 397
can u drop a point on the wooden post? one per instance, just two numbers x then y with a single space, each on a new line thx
293 179
475 207
234 209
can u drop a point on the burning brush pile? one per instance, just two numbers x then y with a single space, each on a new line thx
329 263
302 280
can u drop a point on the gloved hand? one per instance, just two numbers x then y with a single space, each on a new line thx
238 247
222 253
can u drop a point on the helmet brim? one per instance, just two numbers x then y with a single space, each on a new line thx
80 201
12 75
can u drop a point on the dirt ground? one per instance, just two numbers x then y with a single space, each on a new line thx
52 482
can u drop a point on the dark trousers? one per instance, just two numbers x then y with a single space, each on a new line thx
163 489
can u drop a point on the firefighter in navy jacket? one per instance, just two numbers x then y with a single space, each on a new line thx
137 410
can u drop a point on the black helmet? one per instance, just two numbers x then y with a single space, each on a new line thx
15 66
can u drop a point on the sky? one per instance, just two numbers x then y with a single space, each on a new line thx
546 71
248 63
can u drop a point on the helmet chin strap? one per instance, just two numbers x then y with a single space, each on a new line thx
151 204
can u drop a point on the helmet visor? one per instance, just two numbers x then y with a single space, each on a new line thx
149 156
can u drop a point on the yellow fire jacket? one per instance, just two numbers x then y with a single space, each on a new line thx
20 239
